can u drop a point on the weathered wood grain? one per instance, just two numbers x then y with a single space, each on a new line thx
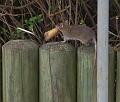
57 73
20 71
87 75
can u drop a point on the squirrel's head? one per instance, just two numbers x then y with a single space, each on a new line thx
62 26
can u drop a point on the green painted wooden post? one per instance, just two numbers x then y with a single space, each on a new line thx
86 76
57 73
20 71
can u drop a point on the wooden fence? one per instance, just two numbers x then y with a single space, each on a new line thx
55 72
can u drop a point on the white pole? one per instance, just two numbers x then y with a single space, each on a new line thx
102 50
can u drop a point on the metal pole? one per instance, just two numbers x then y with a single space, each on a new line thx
102 50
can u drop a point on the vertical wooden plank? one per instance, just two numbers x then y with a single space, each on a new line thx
0 73
86 75
57 73
118 77
111 76
20 71
102 50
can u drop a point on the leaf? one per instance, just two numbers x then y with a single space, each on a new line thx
30 27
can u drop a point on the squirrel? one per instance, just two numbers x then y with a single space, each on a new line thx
82 33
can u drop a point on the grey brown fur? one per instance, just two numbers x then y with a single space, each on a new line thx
82 33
